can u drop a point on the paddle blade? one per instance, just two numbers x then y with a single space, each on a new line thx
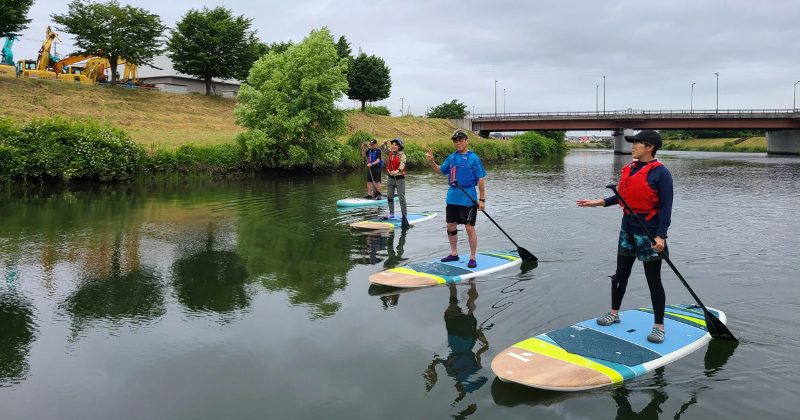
717 329
526 255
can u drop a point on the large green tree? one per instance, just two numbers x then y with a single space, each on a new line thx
212 43
454 110
368 78
288 105
14 16
113 32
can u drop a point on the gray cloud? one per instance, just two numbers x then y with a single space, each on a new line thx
548 55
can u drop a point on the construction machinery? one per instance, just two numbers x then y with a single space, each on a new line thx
67 69
42 67
7 60
96 67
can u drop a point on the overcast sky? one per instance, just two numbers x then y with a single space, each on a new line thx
547 55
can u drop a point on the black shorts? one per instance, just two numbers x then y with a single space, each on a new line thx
463 215
376 173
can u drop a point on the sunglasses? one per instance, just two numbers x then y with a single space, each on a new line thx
458 139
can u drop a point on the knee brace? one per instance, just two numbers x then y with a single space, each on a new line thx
617 283
452 232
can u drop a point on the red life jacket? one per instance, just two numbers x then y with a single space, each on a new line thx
637 192
393 163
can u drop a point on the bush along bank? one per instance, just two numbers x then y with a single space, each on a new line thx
64 150
728 146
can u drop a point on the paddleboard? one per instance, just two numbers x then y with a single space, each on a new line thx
392 222
435 272
358 202
587 355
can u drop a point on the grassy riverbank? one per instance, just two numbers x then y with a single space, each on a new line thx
63 131
747 144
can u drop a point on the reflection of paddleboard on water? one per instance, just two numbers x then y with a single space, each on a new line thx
586 355
392 222
358 202
435 272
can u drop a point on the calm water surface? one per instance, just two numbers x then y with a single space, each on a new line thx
249 299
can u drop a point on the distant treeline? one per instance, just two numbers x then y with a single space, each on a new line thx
710 134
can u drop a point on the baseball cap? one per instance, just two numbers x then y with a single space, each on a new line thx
398 141
650 136
373 141
459 134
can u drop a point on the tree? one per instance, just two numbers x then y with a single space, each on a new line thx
343 48
368 78
453 110
288 105
212 43
113 32
13 16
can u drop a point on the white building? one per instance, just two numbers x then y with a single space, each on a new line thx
169 80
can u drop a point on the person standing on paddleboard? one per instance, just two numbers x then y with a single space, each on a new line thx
396 167
371 152
465 168
646 185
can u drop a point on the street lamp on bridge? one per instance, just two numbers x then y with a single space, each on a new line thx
596 99
717 74
604 94
794 96
495 97
691 100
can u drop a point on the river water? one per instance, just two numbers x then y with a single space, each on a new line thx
249 299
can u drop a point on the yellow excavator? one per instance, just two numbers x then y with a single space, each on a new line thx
95 69
39 69
67 70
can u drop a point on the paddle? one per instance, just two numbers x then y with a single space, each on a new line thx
715 327
523 253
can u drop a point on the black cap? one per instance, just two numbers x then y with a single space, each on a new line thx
459 134
650 136
373 141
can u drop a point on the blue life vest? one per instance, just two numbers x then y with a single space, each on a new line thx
460 170
372 155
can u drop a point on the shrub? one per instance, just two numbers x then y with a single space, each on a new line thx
67 149
533 145
378 110
356 139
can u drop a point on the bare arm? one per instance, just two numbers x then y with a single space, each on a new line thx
591 203
433 164
482 192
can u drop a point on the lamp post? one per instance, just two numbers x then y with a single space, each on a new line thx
794 96
473 111
504 102
596 99
495 97
691 100
717 74
604 94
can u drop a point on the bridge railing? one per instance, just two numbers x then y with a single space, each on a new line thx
634 112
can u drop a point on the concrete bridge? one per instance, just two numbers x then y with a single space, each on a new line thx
782 125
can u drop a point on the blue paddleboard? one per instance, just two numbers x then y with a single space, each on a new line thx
358 202
435 272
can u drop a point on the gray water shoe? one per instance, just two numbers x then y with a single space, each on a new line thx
608 319
657 336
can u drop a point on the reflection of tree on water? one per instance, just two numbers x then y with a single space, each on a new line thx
462 333
211 280
17 331
717 355
137 295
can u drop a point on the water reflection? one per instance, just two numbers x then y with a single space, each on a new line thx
717 355
17 333
212 279
463 333
115 291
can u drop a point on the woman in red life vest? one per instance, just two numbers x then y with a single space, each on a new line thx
646 185
396 167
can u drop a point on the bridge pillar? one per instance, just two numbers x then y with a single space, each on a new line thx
783 142
622 147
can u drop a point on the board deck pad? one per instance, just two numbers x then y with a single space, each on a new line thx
393 222
357 202
587 355
435 272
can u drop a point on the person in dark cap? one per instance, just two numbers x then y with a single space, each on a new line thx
646 185
396 168
370 151
464 167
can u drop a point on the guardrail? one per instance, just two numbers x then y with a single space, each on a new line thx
636 112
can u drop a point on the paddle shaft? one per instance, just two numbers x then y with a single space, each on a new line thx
487 215
708 314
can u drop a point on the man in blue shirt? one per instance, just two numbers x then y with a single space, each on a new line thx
646 186
465 168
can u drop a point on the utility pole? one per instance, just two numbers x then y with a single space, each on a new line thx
717 74
401 106
691 100
604 94
495 97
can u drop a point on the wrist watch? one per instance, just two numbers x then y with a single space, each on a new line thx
480 199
